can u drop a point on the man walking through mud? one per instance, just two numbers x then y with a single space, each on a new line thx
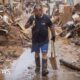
40 39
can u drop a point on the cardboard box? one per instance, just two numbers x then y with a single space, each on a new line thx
67 9
66 14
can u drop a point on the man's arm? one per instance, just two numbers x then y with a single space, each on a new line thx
27 25
29 22
51 26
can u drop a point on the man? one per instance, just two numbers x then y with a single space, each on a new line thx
40 39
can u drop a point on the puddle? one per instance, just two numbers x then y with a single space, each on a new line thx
23 69
21 65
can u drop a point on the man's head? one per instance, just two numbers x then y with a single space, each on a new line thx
38 10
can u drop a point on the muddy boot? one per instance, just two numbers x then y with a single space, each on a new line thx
44 67
37 61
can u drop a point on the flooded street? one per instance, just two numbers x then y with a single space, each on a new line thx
19 66
23 68
16 60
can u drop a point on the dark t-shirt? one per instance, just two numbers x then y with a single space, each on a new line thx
40 29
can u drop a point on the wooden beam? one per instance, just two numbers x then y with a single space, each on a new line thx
69 65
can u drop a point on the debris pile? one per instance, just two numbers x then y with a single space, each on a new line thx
13 35
68 19
8 53
12 23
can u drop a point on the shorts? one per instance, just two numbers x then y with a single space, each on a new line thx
37 47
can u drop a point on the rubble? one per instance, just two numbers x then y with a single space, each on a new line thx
69 30
14 36
69 21
8 54
76 41
11 28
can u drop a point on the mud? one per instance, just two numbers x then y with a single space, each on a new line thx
23 68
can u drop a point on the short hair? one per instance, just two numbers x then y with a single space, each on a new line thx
38 6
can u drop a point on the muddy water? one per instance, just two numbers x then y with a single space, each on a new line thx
22 64
23 69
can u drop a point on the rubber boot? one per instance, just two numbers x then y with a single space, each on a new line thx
37 61
44 67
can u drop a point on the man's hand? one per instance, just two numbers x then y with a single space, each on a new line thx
53 38
52 33
27 25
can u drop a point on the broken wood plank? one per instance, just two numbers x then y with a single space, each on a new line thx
69 65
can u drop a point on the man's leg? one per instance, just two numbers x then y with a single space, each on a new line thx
37 62
36 49
44 49
44 64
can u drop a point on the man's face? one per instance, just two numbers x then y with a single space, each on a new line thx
38 12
